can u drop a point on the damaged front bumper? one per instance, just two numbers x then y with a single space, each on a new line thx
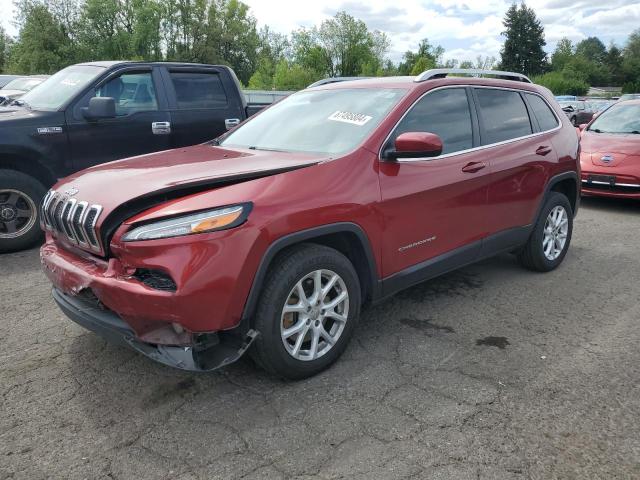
219 350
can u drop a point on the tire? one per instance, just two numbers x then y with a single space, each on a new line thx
296 266
542 253
20 198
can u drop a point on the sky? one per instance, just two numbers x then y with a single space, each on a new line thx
464 28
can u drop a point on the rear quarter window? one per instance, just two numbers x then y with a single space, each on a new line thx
543 113
504 115
196 90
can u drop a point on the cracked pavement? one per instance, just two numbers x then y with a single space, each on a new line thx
491 372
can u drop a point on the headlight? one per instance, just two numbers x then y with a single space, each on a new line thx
209 221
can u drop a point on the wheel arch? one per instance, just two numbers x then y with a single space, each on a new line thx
568 184
27 163
348 238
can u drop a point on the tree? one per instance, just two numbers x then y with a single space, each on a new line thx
613 61
561 84
592 49
232 37
562 54
5 47
292 76
631 63
428 55
523 47
43 45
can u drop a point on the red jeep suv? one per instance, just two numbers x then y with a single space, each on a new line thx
270 238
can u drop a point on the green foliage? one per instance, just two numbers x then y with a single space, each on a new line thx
427 55
44 46
5 47
293 76
523 47
56 33
562 84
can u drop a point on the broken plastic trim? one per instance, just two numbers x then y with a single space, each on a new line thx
231 345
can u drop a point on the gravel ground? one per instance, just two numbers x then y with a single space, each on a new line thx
490 372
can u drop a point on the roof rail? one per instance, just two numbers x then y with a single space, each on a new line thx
326 81
443 72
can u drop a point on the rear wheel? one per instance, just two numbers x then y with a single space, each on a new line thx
551 236
20 196
307 311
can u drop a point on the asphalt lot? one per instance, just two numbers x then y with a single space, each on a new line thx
490 372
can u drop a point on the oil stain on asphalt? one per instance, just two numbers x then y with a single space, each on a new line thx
426 326
500 342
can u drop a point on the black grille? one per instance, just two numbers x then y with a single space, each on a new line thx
155 279
77 226
76 220
91 217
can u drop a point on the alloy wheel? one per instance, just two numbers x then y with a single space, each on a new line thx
314 315
18 213
556 229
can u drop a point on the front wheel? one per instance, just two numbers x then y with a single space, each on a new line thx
551 236
20 196
307 311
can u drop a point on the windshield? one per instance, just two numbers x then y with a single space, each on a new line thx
57 90
620 118
329 122
23 84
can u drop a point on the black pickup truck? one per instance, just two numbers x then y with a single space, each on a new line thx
96 112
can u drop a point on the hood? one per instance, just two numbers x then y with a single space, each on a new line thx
200 167
610 150
11 93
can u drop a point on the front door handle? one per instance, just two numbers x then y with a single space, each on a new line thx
231 122
161 128
473 167
543 150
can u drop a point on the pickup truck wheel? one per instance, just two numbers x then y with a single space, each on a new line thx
307 312
551 236
20 196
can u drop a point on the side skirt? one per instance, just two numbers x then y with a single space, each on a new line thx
460 257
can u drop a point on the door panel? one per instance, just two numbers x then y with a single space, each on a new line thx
200 104
518 173
434 205
131 132
430 207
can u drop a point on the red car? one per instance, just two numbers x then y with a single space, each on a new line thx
610 152
271 238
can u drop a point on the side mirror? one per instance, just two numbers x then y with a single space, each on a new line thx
582 126
100 107
416 145
568 108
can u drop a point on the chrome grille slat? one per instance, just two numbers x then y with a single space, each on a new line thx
74 220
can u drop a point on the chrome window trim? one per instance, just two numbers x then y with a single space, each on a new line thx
474 149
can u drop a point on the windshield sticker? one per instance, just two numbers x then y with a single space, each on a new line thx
348 117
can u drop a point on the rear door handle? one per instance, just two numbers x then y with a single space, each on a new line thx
473 167
161 128
543 150
231 122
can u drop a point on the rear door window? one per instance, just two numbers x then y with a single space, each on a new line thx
543 113
198 90
443 112
504 115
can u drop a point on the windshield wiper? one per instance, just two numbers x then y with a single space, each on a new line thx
253 147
